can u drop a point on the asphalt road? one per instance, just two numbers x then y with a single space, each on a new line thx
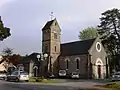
25 86
66 85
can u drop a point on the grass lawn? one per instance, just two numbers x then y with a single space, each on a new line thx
113 85
40 81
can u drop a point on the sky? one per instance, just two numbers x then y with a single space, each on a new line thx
26 18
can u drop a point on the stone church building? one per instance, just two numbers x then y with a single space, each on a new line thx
87 57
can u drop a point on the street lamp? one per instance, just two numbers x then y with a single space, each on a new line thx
38 57
38 72
45 55
41 58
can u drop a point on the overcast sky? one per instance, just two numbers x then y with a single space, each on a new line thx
26 18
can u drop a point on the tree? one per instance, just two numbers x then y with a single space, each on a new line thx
7 51
15 59
109 29
110 26
88 33
9 57
4 31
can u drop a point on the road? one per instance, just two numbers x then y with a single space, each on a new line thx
25 86
68 85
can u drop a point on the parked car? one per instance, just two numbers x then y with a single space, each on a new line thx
74 75
11 69
51 76
116 76
3 75
62 73
18 76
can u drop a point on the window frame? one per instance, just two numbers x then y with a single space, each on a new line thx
98 43
77 60
55 48
55 36
67 60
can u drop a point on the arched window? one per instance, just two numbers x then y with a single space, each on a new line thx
55 35
55 48
77 61
67 64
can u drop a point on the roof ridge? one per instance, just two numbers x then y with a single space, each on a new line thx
78 41
48 24
76 48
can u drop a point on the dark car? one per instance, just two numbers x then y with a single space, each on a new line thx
74 75
116 76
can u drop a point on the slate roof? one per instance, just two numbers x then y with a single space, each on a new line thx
76 48
47 25
27 59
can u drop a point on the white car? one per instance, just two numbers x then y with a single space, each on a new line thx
75 75
62 73
3 75
116 76
18 76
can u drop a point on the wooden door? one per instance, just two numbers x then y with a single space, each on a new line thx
99 71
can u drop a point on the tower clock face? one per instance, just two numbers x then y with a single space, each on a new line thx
98 46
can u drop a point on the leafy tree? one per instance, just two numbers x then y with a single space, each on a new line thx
4 31
110 26
109 29
15 59
7 53
10 57
88 33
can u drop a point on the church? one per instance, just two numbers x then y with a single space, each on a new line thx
86 57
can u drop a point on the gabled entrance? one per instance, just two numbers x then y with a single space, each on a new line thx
99 68
35 70
99 71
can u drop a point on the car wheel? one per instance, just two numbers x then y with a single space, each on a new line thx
7 79
27 80
4 78
113 80
17 80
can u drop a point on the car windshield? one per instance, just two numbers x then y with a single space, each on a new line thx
62 71
116 73
23 73
74 73
15 73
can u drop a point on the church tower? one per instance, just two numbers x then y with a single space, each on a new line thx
51 43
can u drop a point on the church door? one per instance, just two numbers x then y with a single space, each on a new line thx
35 71
99 71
